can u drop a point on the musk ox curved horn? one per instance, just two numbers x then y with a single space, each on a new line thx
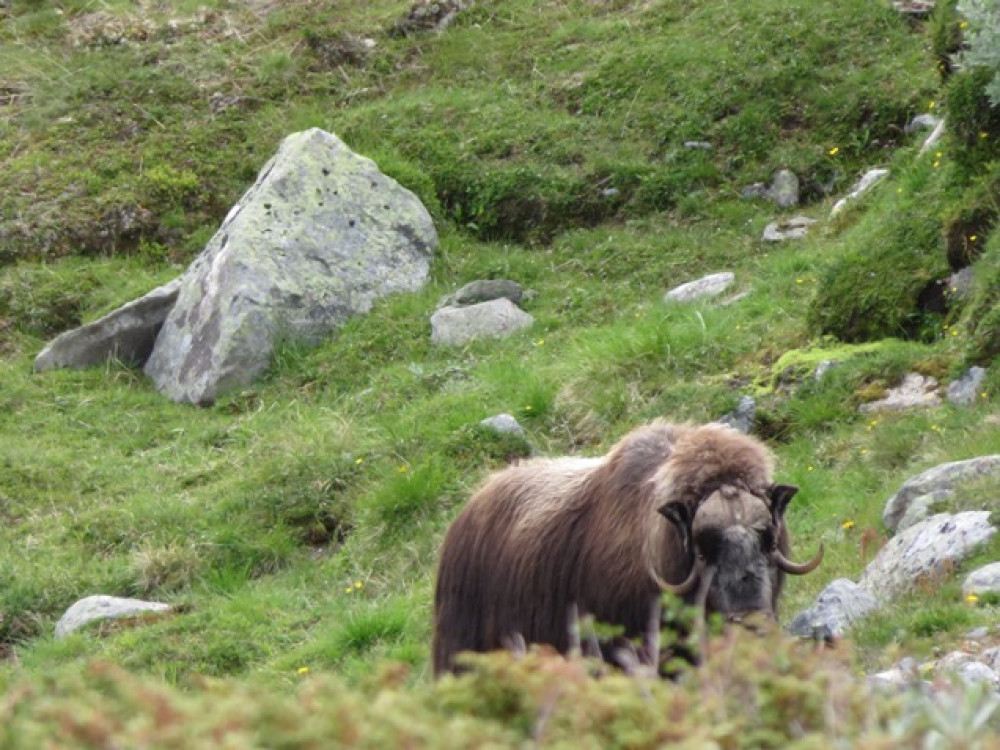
798 569
683 588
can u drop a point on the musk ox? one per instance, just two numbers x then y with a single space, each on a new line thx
690 510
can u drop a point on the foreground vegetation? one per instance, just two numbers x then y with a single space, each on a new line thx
294 525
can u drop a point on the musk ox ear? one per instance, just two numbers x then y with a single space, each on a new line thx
781 495
679 515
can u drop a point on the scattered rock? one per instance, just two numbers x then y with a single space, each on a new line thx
483 291
960 284
102 607
504 423
930 549
914 8
916 391
698 145
430 15
932 140
787 229
839 605
456 326
977 673
823 368
127 334
985 580
965 391
921 122
863 185
742 418
943 477
707 286
319 237
783 189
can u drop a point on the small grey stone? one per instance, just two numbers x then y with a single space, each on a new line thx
985 580
868 179
977 673
925 120
784 189
741 419
757 190
101 607
457 326
823 368
504 423
610 192
707 286
791 229
698 145
960 284
965 391
932 140
977 634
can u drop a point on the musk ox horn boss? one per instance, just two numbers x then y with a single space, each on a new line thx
690 510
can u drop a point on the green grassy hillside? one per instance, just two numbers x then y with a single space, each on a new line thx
294 525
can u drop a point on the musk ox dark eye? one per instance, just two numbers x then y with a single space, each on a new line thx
768 540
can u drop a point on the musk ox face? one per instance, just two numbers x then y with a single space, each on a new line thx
737 542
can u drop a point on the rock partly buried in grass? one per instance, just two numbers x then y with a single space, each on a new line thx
837 607
863 185
782 191
915 391
94 608
985 580
318 238
935 483
967 389
457 326
707 286
788 229
127 334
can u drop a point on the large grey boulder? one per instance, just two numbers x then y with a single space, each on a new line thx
127 334
497 318
100 607
318 238
838 606
930 549
941 478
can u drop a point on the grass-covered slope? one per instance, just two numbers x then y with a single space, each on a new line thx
294 525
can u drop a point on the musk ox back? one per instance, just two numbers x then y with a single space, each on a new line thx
692 510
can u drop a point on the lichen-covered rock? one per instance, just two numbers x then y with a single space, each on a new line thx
102 607
319 237
931 548
838 606
457 326
127 334
794 228
943 477
916 391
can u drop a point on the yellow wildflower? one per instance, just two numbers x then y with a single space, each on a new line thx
358 461
963 25
931 105
303 670
971 598
847 525
799 281
973 238
833 151
983 134
358 584
348 590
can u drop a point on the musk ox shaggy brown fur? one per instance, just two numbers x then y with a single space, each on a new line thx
692 510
